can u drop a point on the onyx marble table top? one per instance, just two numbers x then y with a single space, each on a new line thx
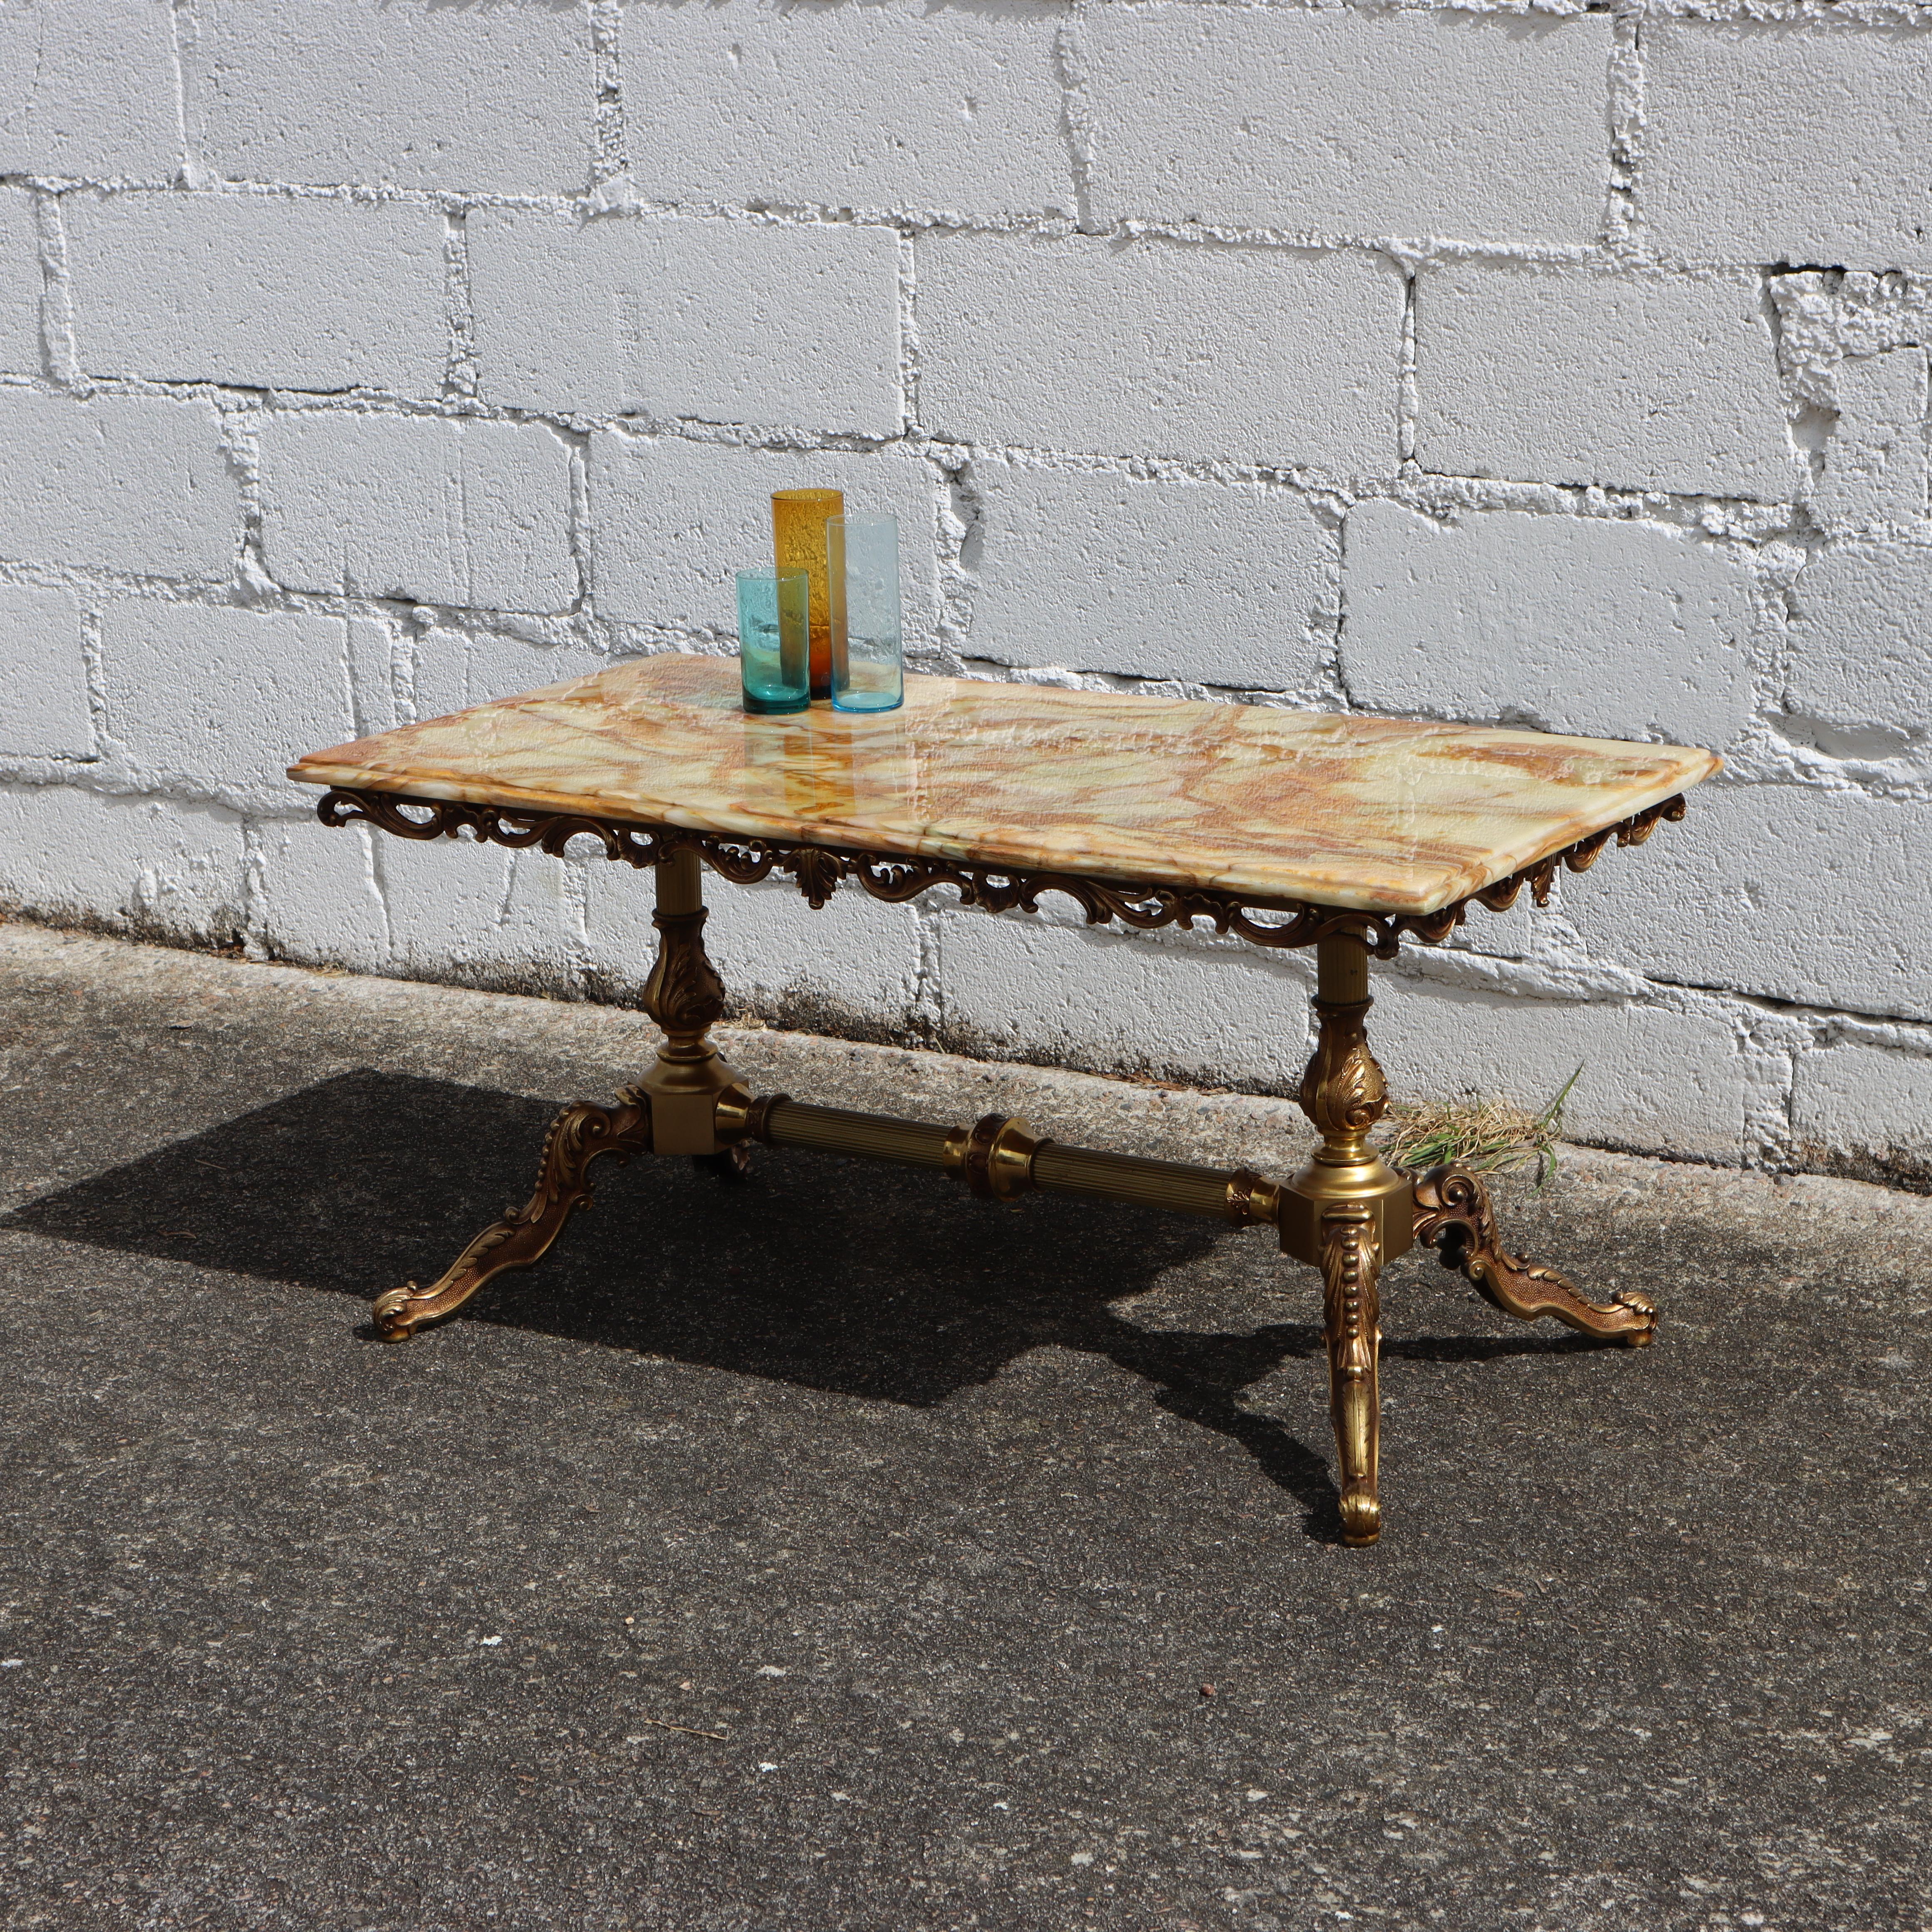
1379 814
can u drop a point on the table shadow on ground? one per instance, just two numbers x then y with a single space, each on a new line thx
849 1277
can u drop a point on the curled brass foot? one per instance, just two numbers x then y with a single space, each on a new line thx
522 1237
1453 1212
1351 1266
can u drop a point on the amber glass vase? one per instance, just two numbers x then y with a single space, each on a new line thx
798 543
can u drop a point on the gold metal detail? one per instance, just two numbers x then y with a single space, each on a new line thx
783 1122
1251 1199
1344 1093
818 870
1352 1315
733 1114
1006 1157
1342 1089
1174 1186
522 1237
685 997
998 1162
1453 1214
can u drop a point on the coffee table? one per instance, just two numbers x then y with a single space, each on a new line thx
1289 828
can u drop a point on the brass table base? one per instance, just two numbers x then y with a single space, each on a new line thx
1346 1212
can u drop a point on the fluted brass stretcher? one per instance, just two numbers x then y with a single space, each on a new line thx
1287 828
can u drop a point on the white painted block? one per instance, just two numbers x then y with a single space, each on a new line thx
221 702
315 898
456 669
1852 1099
129 483
1581 624
470 513
1040 988
498 99
1875 462
1788 141
377 676
853 963
1156 348
1337 121
1792 892
19 284
87 89
1862 635
899 106
1508 934
44 674
1566 375
480 914
728 322
671 521
1219 584
154 865
266 290
1653 1080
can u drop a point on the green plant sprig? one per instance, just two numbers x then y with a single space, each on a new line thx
1485 1136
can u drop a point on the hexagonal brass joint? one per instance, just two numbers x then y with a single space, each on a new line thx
1372 1184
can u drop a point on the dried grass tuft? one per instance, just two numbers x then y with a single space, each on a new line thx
1487 1136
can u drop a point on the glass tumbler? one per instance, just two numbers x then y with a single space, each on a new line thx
798 543
774 646
867 667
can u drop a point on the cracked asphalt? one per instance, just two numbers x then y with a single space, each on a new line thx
834 1552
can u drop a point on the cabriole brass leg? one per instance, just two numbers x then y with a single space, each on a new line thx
1348 1214
523 1236
1452 1212
672 1110
1352 1310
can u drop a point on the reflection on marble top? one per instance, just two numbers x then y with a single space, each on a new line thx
1374 814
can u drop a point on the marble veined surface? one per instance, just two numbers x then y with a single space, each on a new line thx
1373 814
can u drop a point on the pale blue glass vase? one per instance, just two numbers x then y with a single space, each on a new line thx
868 658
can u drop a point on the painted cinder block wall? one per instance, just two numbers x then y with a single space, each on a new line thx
361 361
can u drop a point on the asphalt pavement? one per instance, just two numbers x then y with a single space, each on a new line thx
832 1551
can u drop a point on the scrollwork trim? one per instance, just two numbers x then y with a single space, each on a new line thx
818 870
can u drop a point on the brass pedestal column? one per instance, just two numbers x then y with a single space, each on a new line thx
685 997
1348 1214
